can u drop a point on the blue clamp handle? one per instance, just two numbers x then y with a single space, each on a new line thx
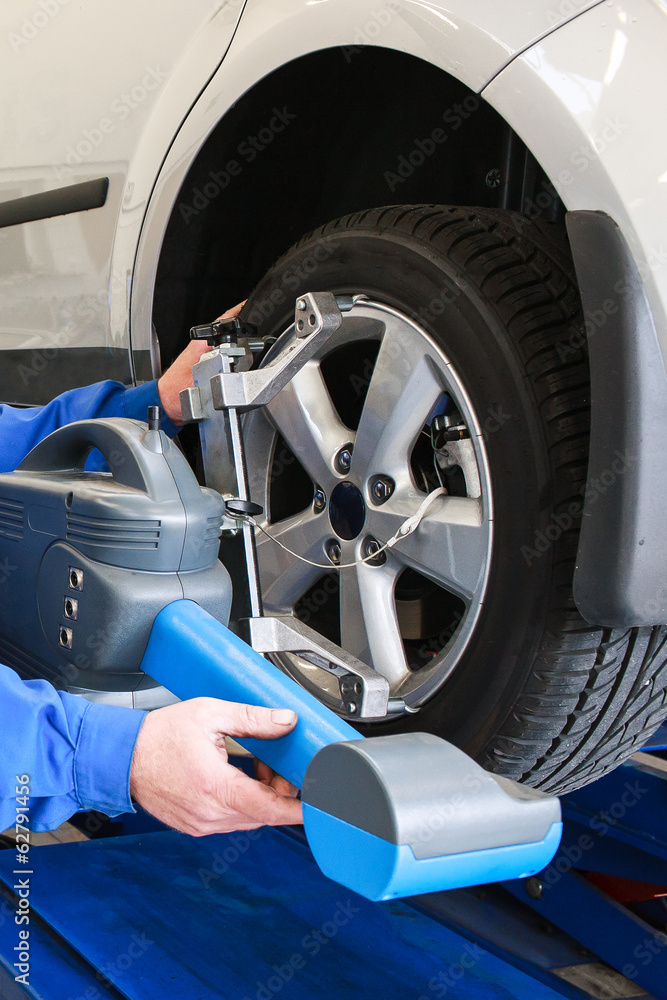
193 655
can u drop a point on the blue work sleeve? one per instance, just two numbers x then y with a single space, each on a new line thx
22 428
75 754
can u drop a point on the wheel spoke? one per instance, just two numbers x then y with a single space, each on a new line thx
450 546
285 578
403 390
307 419
368 623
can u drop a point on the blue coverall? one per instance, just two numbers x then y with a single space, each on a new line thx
77 755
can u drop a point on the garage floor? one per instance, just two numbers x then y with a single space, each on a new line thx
160 915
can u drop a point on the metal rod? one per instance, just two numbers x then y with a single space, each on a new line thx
249 543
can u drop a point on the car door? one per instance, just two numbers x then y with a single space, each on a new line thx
92 96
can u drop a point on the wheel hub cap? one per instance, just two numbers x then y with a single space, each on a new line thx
347 511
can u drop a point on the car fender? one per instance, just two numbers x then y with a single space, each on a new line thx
587 101
470 39
90 92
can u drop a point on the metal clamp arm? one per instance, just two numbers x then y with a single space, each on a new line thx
317 317
364 691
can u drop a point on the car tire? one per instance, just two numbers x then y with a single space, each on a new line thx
538 694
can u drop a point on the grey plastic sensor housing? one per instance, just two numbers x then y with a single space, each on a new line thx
441 803
100 554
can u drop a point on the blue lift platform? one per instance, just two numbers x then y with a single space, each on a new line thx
158 916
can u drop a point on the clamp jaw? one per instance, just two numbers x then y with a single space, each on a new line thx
317 316
364 692
224 387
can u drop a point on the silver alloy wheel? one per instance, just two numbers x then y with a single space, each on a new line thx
451 547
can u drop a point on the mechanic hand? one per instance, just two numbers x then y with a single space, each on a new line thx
269 777
179 375
181 775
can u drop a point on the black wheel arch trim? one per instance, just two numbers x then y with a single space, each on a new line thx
620 578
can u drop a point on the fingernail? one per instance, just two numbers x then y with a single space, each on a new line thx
283 716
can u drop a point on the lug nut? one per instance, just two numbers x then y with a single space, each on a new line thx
319 500
372 553
334 552
382 488
344 458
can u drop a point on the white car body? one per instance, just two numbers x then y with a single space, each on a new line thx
132 94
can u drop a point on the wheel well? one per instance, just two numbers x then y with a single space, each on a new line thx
336 131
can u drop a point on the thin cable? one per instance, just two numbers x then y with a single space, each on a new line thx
437 468
409 525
